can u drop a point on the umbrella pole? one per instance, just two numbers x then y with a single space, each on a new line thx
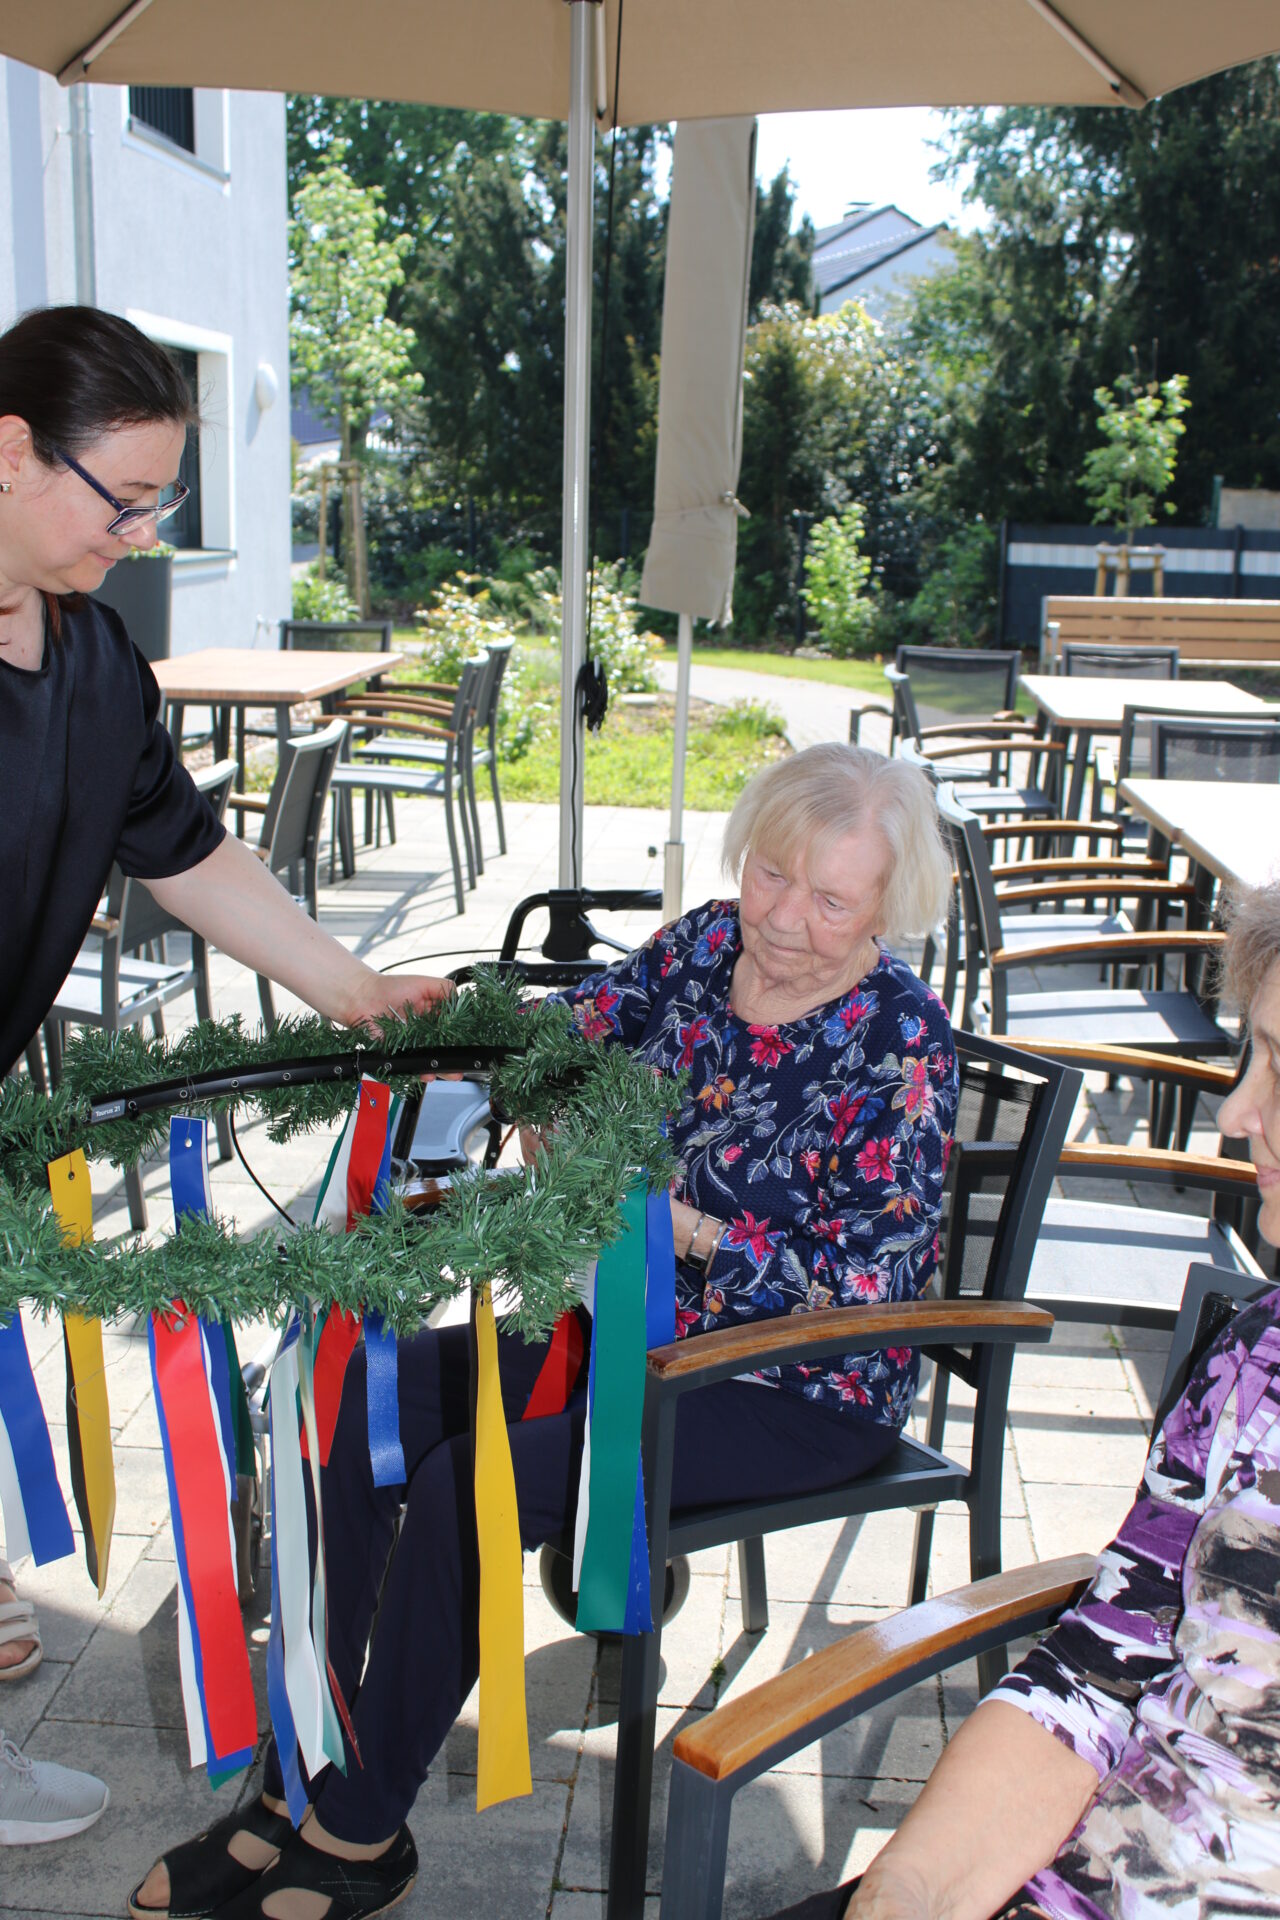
577 429
673 870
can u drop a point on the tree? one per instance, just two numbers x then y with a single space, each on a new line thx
781 261
837 575
352 357
1135 465
1108 230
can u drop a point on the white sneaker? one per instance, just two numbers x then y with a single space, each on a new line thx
39 1800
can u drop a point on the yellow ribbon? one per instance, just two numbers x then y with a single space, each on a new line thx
93 1475
503 1769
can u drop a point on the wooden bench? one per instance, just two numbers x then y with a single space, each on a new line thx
1207 633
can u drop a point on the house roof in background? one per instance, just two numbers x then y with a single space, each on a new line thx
845 269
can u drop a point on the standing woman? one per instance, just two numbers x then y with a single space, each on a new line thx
93 421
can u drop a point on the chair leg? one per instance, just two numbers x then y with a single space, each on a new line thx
453 851
633 1776
935 1428
693 1861
35 1066
267 1000
53 1050
464 822
137 1202
497 797
755 1591
469 782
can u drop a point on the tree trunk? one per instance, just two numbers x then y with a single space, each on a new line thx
354 550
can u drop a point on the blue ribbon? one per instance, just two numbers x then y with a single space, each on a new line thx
382 1392
189 1189
660 1262
44 1509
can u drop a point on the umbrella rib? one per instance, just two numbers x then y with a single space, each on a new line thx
1124 89
77 68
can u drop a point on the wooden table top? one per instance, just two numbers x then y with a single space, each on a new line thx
1098 702
1230 827
241 676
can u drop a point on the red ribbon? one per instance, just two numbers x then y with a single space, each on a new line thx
338 1338
196 1456
559 1369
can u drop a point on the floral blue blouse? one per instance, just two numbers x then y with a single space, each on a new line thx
823 1142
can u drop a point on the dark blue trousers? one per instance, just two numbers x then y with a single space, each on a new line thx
733 1440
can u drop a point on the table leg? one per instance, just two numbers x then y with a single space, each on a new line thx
1079 766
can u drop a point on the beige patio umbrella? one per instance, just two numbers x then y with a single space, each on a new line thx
680 60
688 569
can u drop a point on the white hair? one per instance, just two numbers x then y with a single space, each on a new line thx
816 797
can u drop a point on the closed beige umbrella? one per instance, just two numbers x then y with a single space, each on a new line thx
688 569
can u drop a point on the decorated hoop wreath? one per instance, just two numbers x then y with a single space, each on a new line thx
518 1241
520 1234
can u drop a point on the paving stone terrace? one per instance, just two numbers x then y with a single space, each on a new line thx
107 1696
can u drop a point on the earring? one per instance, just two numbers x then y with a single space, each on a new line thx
6 486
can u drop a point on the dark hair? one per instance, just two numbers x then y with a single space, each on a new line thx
73 373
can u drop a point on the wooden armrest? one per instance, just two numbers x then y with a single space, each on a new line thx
416 729
104 923
248 802
975 749
1134 1061
783 1714
378 703
1052 830
1111 946
1123 1161
1115 887
798 1336
998 729
1087 863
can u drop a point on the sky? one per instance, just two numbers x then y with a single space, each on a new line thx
875 154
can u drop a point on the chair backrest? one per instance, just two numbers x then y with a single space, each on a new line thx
500 654
365 636
1210 1301
295 810
1227 750
1011 1124
1134 755
1120 663
948 686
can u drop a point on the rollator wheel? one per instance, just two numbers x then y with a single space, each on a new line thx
555 1570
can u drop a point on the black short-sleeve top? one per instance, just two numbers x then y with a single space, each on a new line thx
88 775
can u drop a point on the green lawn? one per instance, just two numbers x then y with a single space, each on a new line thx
628 763
866 675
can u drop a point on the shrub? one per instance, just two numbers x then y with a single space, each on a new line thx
956 606
327 599
836 585
616 640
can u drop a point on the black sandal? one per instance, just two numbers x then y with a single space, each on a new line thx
203 1873
355 1889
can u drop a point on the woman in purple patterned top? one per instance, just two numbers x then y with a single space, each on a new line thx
1129 1768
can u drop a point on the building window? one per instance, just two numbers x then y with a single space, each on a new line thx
167 110
186 527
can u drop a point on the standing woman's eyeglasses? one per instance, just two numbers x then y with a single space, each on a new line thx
128 517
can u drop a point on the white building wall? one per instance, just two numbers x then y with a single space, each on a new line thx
194 250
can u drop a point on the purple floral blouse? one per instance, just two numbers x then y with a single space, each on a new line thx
1166 1677
822 1142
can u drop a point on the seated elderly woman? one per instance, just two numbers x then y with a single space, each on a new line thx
1129 1767
812 1144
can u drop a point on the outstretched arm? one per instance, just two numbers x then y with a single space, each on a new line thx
230 898
996 1808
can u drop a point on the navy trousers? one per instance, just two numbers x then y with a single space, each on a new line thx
733 1440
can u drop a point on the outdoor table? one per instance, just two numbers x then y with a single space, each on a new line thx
236 678
1084 705
1228 830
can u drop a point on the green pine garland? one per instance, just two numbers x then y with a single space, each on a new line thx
523 1232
